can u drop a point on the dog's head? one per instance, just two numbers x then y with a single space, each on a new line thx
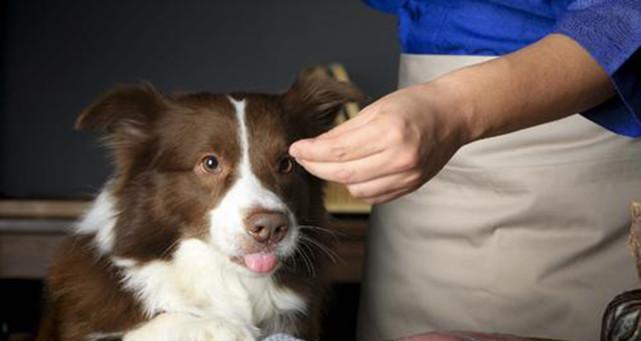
215 168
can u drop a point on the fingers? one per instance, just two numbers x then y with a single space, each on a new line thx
340 148
354 139
383 198
356 122
374 191
379 154
365 116
376 179
376 165
387 187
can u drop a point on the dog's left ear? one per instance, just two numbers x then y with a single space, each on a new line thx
315 99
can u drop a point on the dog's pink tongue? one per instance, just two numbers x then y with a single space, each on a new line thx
261 262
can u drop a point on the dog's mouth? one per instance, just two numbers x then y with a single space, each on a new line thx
256 252
263 256
263 262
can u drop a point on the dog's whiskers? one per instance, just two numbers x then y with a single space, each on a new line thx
307 260
292 259
333 256
332 233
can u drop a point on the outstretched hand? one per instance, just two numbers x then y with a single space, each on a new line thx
391 148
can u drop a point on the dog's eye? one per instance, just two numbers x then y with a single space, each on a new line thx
210 164
286 165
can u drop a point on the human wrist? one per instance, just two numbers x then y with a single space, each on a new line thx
453 98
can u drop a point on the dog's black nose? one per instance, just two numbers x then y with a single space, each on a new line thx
267 226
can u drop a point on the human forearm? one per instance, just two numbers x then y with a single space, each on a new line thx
548 80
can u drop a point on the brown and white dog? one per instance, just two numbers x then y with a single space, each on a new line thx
208 230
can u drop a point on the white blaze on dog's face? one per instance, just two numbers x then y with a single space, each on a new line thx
213 168
248 197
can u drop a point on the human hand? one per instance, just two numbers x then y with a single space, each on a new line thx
393 146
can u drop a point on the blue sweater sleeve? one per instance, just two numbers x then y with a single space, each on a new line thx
387 6
610 30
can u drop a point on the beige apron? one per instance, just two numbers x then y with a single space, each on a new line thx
523 233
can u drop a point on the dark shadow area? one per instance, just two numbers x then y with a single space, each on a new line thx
339 323
21 303
20 308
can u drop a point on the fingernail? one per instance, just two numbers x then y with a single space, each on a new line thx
294 149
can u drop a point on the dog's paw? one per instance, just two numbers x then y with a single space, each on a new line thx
180 327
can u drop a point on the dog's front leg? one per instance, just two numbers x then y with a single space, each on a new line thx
183 327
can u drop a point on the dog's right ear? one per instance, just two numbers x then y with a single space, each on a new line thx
126 115
124 110
315 99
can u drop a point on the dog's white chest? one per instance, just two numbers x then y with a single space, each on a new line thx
199 283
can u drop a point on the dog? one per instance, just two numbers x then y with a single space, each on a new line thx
208 229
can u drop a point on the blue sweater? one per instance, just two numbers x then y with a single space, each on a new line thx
610 30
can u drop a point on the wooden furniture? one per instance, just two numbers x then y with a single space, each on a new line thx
30 232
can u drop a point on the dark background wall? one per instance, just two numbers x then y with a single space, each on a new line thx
59 55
